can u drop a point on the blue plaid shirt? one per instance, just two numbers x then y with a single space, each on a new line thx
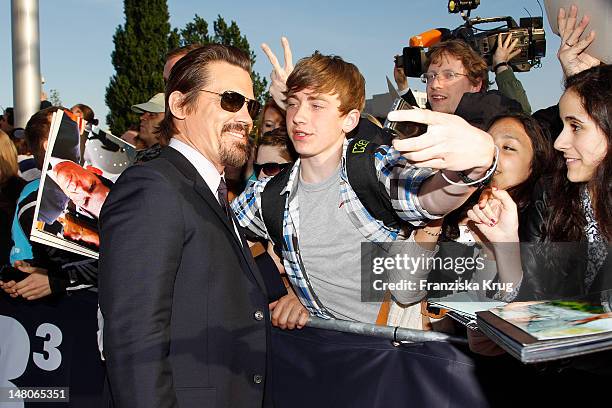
402 182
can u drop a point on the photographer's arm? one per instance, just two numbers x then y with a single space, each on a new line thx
507 83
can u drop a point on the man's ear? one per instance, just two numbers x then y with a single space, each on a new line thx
45 144
175 103
478 86
351 120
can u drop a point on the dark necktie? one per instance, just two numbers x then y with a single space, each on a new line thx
222 194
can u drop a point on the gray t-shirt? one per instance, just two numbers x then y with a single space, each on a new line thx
331 251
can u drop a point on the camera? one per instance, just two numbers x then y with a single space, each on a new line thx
406 129
529 32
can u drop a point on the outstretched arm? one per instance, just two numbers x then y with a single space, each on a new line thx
507 83
450 145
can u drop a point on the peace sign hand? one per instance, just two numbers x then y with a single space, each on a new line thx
279 74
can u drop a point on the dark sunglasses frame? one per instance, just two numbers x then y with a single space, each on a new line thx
233 101
270 169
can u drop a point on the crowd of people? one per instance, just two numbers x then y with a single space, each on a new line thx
235 217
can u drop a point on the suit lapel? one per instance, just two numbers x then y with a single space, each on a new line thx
202 189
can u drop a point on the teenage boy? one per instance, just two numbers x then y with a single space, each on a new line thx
324 221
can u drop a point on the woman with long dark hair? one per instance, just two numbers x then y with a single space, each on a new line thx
576 206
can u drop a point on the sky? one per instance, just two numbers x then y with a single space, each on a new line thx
76 39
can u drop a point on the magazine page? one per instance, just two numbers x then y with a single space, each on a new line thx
71 194
465 303
557 319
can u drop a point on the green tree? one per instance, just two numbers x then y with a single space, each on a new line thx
140 48
54 97
196 32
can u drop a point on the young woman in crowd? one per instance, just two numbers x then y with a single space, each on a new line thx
10 188
524 157
272 117
274 153
525 153
575 206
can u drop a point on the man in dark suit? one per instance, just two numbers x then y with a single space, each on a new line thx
186 320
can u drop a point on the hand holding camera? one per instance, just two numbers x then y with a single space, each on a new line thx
450 143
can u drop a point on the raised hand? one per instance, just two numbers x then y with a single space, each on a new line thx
400 78
506 50
571 54
279 74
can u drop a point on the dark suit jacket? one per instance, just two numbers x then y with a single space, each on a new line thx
186 320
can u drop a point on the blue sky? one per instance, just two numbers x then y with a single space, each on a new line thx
76 39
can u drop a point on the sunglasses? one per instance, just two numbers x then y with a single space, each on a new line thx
233 101
270 169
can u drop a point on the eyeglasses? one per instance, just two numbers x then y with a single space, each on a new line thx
233 101
443 76
270 169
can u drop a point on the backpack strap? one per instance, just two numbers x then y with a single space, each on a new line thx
363 178
273 206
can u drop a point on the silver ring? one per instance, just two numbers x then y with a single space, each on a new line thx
569 45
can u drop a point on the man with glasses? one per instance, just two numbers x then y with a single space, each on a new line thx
453 69
185 309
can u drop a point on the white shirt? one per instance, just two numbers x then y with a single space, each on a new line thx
205 168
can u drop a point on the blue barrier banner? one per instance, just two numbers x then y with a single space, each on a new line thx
323 368
51 344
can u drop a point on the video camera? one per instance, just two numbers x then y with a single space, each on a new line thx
530 33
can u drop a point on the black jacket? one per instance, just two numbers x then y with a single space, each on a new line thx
553 270
185 309
9 193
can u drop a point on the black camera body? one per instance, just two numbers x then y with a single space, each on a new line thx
530 33
404 129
